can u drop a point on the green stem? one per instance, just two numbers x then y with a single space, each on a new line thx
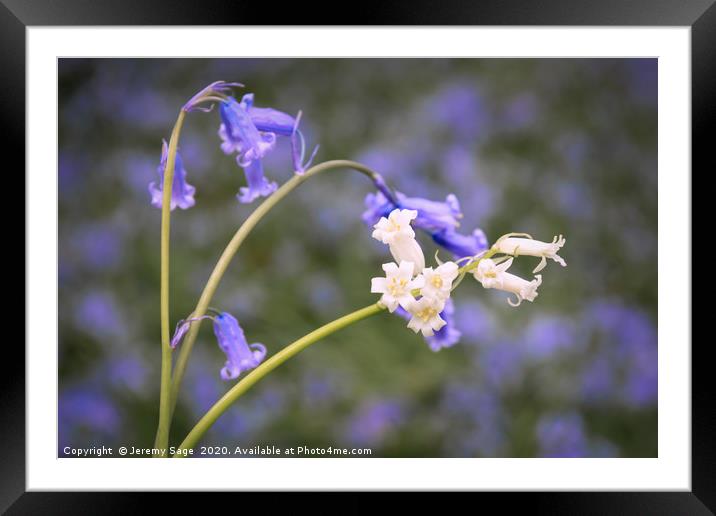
279 358
232 248
162 437
269 365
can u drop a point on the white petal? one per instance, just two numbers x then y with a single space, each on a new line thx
390 302
378 285
391 269
414 324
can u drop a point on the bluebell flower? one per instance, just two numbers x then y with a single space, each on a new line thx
239 133
432 215
438 219
273 121
446 336
251 133
461 245
256 184
240 356
377 206
182 192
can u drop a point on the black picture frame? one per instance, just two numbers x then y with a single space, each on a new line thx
700 15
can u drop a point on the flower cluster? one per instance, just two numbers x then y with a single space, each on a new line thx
410 278
422 295
493 273
251 132
247 131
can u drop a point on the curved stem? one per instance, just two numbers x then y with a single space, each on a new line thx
232 248
269 365
279 358
162 437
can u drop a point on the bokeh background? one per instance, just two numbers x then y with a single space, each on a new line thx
543 146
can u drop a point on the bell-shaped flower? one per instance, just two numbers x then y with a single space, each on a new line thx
240 356
529 247
461 245
257 185
438 281
268 120
397 285
493 275
251 132
182 192
395 225
240 134
406 249
377 206
446 336
425 315
431 216
273 121
395 230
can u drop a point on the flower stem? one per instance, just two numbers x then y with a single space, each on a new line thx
162 437
269 365
231 250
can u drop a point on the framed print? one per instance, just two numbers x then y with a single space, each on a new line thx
452 256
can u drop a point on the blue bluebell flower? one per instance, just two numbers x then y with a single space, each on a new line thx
268 120
377 206
251 133
461 245
438 219
273 121
240 356
239 133
182 192
432 215
256 183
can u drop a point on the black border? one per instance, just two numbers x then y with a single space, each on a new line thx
16 15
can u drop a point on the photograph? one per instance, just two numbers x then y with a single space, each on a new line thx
357 257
